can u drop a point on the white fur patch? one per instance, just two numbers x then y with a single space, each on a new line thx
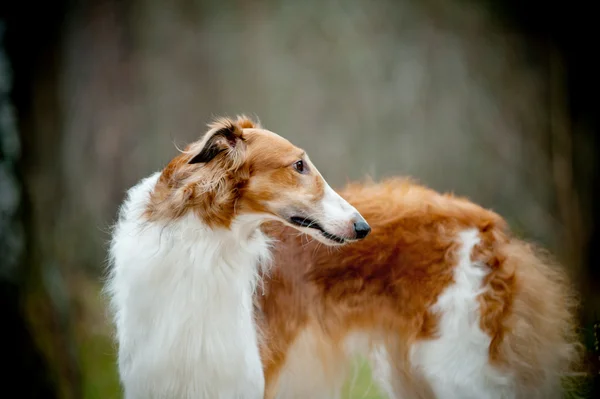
456 363
182 300
338 214
382 370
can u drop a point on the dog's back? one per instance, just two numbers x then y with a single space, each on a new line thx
440 296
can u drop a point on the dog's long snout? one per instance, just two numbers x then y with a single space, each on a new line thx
361 228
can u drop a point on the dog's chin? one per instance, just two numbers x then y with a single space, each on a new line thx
316 231
327 238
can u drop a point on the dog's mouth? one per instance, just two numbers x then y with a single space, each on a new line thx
311 224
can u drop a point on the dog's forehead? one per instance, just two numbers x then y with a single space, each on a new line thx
266 140
268 150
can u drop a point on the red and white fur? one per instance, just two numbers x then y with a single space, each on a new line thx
185 257
445 301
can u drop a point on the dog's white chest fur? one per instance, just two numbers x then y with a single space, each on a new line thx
182 300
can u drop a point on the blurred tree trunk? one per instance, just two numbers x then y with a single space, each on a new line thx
42 361
567 31
576 158
21 353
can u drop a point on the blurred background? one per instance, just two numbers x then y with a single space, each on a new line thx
494 100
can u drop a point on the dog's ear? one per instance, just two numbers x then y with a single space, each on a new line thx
225 136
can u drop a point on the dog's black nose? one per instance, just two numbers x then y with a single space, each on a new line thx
362 229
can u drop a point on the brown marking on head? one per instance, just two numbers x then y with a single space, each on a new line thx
240 168
203 178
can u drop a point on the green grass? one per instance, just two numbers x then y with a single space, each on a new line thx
360 385
98 361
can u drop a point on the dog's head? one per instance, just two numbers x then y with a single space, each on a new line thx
239 168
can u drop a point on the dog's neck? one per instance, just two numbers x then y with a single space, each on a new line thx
242 245
187 246
182 293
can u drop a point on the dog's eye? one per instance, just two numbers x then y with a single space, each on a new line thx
299 166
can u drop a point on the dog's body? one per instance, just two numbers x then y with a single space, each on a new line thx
444 301
185 256
442 298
